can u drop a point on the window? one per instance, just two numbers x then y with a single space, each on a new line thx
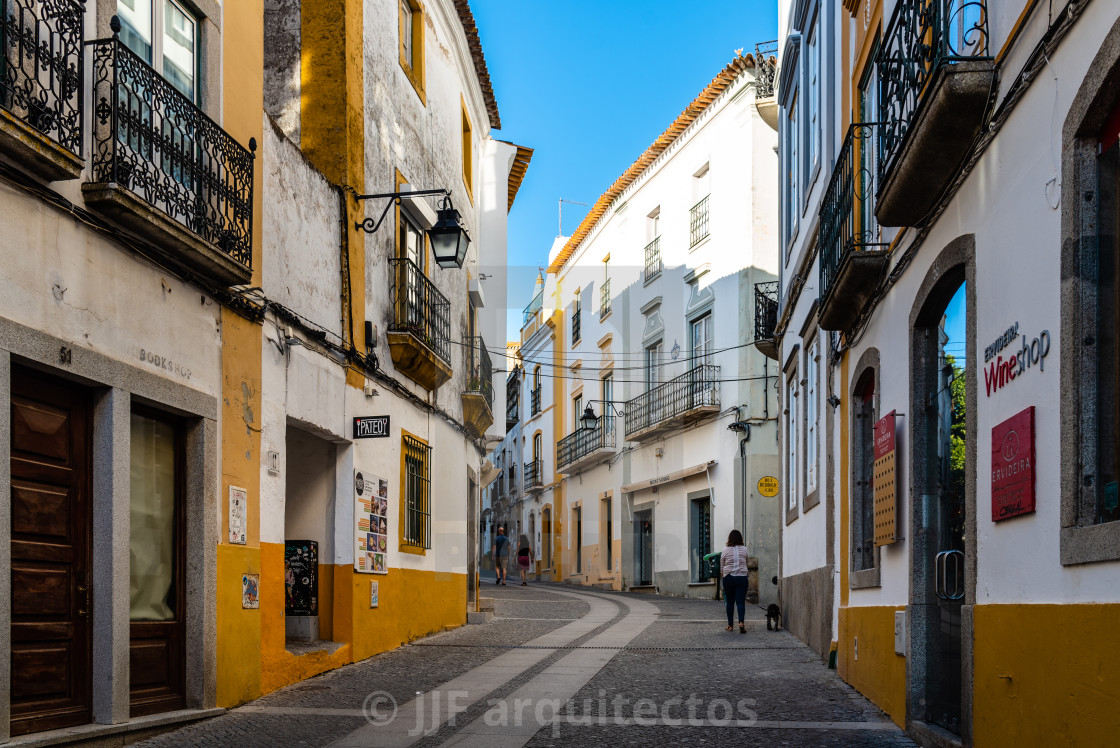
416 529
653 366
535 395
863 462
608 534
700 538
154 529
577 309
608 407
412 242
577 542
698 215
868 105
813 104
468 154
577 411
793 209
605 291
791 416
1107 500
537 447
700 336
546 537
812 417
171 51
411 26
653 225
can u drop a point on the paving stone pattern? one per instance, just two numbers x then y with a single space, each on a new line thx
684 658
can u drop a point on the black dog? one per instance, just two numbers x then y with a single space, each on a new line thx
773 613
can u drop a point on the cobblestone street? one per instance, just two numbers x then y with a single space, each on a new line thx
562 666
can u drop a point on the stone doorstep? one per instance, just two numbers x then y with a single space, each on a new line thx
486 604
482 616
114 735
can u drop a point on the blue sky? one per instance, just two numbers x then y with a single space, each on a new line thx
589 85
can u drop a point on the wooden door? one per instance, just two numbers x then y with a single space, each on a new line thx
50 567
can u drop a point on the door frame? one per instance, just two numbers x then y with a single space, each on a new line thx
954 264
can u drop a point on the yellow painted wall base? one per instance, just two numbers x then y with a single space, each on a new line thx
239 630
1046 675
879 673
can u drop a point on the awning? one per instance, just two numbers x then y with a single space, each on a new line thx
670 478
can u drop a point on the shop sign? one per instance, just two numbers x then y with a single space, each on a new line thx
768 486
371 523
371 427
1001 371
886 502
1013 466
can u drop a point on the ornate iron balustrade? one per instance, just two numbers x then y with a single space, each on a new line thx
765 309
513 390
534 307
480 371
41 66
696 388
765 69
577 313
653 259
921 38
533 474
419 308
535 400
605 299
698 222
152 140
847 217
581 442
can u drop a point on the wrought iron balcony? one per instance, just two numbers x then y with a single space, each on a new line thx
935 79
765 69
159 162
419 331
653 260
583 448
535 400
685 399
513 391
852 251
766 318
478 398
698 222
577 313
41 67
533 477
605 299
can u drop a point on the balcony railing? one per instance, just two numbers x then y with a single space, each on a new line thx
765 69
535 400
923 36
850 239
697 388
581 443
653 259
766 317
577 313
534 306
419 308
605 299
41 66
513 389
698 222
480 370
152 140
533 472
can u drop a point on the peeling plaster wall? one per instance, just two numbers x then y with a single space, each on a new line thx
282 68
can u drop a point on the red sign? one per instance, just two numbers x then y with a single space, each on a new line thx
884 435
883 481
1013 466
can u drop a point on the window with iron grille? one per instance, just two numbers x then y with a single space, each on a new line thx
577 308
417 525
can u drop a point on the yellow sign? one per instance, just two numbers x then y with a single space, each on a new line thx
768 486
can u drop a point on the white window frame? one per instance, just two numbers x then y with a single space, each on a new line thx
812 414
792 419
813 89
156 40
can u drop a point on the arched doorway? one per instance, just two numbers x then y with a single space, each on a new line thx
943 498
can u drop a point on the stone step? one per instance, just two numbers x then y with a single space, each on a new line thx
486 604
482 616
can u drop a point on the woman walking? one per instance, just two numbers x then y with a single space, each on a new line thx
733 569
524 557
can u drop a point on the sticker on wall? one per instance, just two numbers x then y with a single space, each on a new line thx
768 486
250 591
1013 466
371 523
373 593
238 510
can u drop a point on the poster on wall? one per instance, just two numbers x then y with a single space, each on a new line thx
371 520
883 476
1013 466
238 498
301 578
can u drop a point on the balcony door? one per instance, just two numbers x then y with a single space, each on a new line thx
50 555
866 178
700 338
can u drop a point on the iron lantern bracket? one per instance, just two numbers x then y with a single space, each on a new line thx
370 226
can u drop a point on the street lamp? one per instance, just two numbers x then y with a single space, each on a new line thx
589 421
448 237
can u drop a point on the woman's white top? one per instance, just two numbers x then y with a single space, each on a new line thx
734 561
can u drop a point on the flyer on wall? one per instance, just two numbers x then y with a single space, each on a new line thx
371 520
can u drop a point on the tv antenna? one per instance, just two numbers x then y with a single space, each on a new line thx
560 223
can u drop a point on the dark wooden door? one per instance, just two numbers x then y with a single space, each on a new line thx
50 568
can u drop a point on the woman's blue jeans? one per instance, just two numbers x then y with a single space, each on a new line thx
735 593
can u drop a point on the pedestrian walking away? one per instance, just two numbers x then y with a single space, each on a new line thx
524 558
733 569
501 553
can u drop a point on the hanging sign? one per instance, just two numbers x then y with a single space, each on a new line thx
371 521
371 427
886 502
1013 466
